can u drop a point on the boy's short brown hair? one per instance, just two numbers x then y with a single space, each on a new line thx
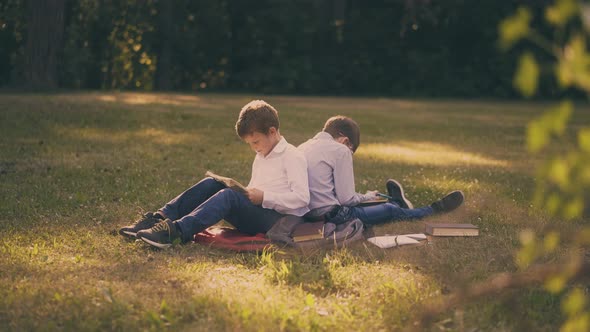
340 125
257 115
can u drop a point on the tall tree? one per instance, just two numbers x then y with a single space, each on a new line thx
45 23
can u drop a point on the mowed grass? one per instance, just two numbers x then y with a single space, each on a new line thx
75 167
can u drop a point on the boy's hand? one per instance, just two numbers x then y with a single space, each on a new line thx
371 195
255 196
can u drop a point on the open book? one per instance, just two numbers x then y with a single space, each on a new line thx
228 182
388 241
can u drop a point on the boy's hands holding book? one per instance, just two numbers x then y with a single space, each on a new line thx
371 195
255 195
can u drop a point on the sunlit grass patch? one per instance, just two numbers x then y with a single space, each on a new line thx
146 135
426 153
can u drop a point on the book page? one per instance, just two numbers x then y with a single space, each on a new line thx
389 241
228 182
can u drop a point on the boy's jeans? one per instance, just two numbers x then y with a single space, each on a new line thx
209 201
378 214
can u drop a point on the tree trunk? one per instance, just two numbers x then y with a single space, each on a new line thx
166 32
44 42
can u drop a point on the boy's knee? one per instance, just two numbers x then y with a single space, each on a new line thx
232 197
211 183
228 193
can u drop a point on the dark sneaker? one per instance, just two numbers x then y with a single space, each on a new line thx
146 222
449 202
395 190
162 235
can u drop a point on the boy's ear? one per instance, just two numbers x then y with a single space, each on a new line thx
272 131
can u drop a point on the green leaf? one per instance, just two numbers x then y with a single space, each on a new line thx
555 284
558 118
551 241
537 136
574 303
539 131
527 75
561 12
559 172
584 139
515 27
573 208
576 324
573 64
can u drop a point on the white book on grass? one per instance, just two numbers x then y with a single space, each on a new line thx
389 241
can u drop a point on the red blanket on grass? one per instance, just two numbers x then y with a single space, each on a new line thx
232 239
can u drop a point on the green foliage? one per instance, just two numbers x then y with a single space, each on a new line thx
562 180
515 27
561 12
575 305
551 124
415 48
573 67
527 75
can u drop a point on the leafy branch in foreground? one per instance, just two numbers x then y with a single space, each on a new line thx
563 177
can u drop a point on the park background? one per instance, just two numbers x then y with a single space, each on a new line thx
110 108
412 48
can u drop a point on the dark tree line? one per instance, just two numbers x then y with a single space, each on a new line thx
374 47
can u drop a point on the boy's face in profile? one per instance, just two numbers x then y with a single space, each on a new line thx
263 143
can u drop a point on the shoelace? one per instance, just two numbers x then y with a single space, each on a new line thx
161 226
146 218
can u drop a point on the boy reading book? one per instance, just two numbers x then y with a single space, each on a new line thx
331 181
278 186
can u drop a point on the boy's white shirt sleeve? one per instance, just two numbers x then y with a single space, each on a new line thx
344 181
298 197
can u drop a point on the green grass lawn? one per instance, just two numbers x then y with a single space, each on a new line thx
76 167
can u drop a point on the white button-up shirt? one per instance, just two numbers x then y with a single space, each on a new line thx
330 172
282 176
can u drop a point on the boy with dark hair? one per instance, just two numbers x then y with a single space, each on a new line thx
331 181
278 187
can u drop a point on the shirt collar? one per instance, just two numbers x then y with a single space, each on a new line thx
323 135
280 147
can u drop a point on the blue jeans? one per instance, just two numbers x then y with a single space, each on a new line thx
378 214
209 201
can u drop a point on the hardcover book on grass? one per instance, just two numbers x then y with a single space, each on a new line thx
451 229
308 231
228 182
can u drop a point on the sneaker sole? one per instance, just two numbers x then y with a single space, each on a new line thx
156 244
127 233
402 194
